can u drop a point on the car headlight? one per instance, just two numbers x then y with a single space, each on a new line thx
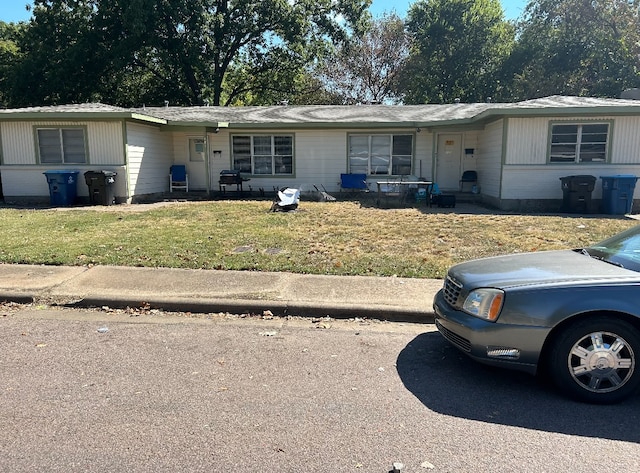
484 303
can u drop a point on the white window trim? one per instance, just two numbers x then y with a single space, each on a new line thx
272 155
370 137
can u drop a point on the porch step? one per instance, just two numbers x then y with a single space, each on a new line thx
187 196
465 197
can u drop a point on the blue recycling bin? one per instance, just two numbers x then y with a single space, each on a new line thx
63 187
617 193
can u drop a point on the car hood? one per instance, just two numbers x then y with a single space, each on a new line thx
539 268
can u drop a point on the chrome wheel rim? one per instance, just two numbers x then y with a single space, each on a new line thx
601 362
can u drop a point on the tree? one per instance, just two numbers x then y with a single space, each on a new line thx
184 51
367 69
577 47
9 56
63 55
458 49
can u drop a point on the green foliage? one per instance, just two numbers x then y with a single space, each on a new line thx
263 52
10 54
130 52
577 47
459 48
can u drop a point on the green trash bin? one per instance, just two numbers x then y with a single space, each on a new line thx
63 187
617 193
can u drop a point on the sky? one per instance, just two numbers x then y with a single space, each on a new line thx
14 10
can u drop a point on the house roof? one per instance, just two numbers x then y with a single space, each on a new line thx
429 115
84 111
317 114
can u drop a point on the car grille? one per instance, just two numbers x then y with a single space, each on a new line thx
457 340
451 291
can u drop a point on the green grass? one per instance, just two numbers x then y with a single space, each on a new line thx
319 238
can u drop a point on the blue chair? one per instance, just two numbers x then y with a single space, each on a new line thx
178 178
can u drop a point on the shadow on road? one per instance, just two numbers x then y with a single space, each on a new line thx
448 382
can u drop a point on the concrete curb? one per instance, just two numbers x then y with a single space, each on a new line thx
16 297
208 291
277 308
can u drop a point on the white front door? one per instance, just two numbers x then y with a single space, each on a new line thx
449 161
196 166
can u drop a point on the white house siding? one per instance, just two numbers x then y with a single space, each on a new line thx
626 141
527 176
423 161
104 141
22 176
196 170
320 157
527 141
221 160
469 141
150 155
488 157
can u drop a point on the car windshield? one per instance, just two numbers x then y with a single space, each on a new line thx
622 249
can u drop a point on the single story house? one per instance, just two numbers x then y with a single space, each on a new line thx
519 150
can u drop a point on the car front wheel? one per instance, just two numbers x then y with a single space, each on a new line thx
596 360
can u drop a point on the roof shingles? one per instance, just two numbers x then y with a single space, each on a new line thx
339 115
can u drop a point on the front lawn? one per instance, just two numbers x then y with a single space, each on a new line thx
320 238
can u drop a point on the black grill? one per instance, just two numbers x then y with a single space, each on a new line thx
230 177
452 291
460 342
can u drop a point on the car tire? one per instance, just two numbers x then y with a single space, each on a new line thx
596 360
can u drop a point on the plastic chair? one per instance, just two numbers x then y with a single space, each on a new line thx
178 178
468 177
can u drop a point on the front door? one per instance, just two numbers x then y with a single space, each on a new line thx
197 171
449 161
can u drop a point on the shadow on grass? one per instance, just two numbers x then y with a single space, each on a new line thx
447 381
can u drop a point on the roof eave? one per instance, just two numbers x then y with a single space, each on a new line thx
76 116
290 125
497 113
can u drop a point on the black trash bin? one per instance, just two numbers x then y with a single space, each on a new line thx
101 191
576 193
63 187
617 193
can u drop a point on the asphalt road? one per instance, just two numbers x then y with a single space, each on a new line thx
91 391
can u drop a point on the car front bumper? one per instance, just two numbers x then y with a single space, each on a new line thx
510 346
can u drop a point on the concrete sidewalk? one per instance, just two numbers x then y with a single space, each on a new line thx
202 291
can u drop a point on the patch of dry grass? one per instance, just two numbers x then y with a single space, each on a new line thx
320 238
